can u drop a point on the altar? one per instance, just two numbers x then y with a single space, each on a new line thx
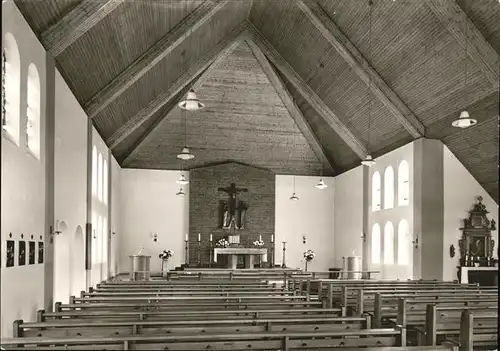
233 253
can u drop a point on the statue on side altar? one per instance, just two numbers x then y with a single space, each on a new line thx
233 210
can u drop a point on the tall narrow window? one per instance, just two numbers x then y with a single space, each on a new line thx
376 191
33 111
94 171
403 243
104 240
99 177
389 243
403 184
98 240
376 243
105 183
11 87
388 188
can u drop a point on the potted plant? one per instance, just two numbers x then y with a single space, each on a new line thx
308 255
222 243
164 256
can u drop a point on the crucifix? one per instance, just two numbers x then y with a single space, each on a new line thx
233 210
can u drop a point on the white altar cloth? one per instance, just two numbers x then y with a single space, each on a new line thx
240 251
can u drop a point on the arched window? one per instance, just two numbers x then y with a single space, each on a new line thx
388 188
376 191
94 171
104 240
376 243
99 177
98 240
389 243
33 111
105 182
403 243
403 184
11 87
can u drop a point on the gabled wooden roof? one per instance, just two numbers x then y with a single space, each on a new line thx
285 82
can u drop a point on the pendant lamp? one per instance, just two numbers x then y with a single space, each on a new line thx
182 180
464 121
191 103
321 185
180 192
185 153
369 161
294 197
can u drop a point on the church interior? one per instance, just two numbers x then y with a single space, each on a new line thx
249 174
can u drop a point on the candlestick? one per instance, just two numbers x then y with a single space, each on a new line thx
210 237
186 251
283 264
199 237
186 238
260 237
272 238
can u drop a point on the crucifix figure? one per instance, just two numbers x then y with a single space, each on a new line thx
233 211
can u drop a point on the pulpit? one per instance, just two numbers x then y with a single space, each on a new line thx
233 253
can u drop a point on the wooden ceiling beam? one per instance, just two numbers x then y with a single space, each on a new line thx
152 56
307 93
224 46
292 108
329 30
75 24
453 18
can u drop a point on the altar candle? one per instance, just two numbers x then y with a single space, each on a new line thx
186 238
272 238
210 237
199 236
260 237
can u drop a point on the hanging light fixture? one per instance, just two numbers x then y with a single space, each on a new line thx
182 180
191 103
369 161
180 192
321 184
185 153
294 197
464 121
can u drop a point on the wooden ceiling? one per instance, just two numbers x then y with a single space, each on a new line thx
294 86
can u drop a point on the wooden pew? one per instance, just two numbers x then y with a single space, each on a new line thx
298 323
477 328
243 341
43 316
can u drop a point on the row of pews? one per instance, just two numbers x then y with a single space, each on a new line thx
287 311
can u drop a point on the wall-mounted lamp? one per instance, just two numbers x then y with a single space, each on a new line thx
155 237
59 228
363 237
452 251
303 239
415 242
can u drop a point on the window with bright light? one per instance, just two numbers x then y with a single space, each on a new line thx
99 177
94 235
388 188
376 243
11 88
98 240
403 243
403 184
105 182
105 240
33 111
376 191
388 243
94 171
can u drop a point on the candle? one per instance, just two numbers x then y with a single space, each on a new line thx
272 238
260 237
186 237
210 237
199 236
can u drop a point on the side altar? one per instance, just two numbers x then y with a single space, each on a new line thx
233 252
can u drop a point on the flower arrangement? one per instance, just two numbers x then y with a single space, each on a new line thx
222 243
309 255
166 254
258 243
